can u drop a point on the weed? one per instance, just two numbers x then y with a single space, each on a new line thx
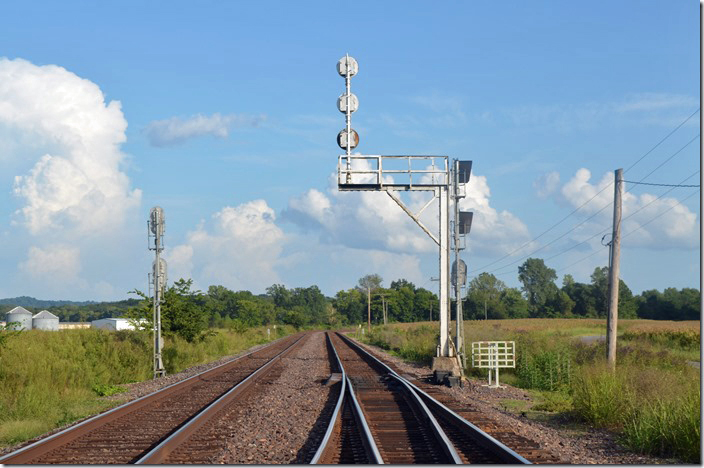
106 390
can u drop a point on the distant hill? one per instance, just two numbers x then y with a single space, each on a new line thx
26 301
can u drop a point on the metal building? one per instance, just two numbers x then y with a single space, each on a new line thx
45 320
112 324
21 315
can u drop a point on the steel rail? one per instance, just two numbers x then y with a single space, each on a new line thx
361 420
46 444
488 442
445 443
161 452
347 391
498 448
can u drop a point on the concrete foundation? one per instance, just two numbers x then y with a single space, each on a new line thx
447 371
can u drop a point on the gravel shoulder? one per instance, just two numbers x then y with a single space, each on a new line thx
584 447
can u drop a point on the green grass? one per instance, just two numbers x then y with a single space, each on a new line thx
415 344
652 401
48 379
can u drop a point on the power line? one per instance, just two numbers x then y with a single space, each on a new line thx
659 185
658 144
546 231
631 232
592 198
587 219
668 159
656 217
554 240
661 195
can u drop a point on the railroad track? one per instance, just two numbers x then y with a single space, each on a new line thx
382 418
151 428
525 447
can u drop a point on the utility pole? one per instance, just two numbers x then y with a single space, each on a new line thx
615 252
383 307
369 309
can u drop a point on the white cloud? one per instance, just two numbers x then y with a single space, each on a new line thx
372 220
493 232
79 185
56 262
240 251
661 109
654 223
176 130
547 183
655 101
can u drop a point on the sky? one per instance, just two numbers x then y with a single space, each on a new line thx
224 114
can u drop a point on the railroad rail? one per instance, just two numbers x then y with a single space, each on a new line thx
407 425
397 422
348 439
525 447
151 425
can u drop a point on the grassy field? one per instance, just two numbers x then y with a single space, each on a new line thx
652 401
48 379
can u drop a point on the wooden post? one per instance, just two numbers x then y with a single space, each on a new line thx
369 309
612 318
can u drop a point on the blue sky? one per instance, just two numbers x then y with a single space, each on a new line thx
224 114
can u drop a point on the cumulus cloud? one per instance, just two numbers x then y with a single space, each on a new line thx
58 262
240 250
547 184
675 227
176 130
79 185
372 220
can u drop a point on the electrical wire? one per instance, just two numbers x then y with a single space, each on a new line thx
668 159
593 197
629 233
660 142
659 185
656 217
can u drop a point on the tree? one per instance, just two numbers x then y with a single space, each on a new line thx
182 312
559 304
583 297
484 297
425 303
350 305
514 303
538 283
600 290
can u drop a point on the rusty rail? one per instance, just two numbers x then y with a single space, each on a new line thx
474 445
70 445
347 411
161 452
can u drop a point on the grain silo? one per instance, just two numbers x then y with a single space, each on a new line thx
45 320
22 316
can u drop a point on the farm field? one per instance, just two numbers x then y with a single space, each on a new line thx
652 402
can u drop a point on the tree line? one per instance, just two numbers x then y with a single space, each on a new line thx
539 296
190 313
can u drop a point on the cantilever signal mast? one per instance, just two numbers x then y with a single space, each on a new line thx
155 230
394 174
